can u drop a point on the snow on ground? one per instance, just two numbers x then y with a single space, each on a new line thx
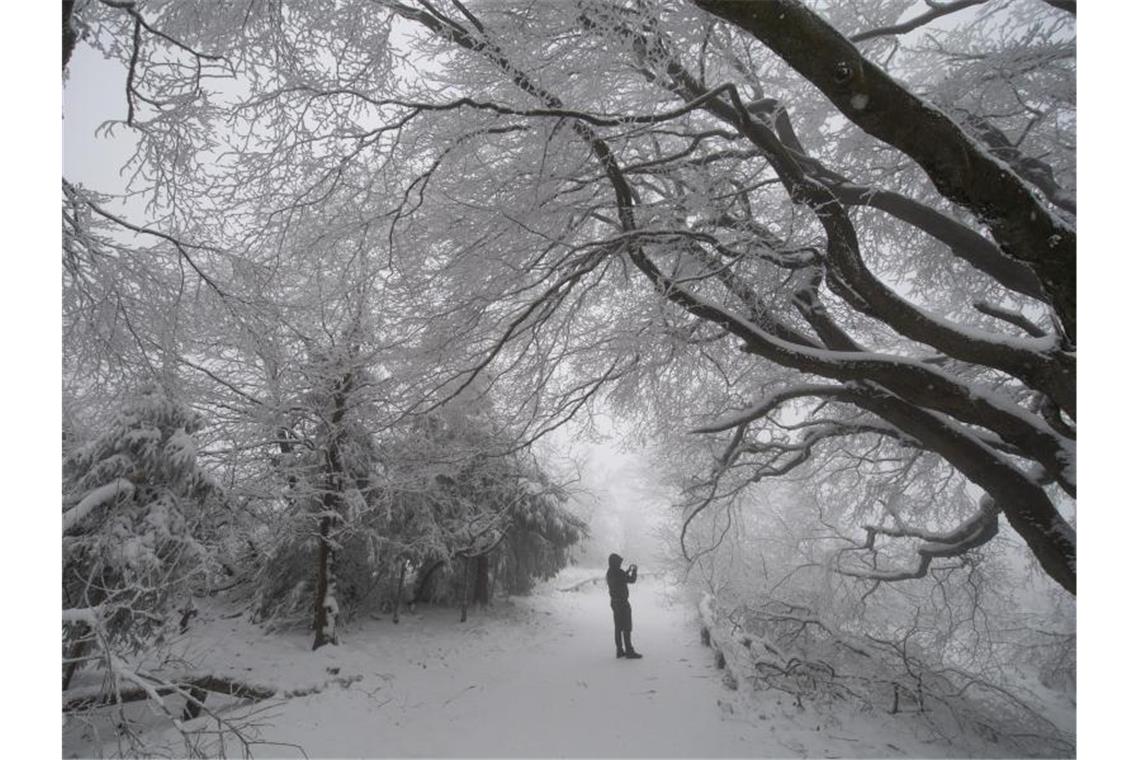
533 676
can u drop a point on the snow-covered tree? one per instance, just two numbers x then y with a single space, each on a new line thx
484 506
540 537
713 210
329 473
137 510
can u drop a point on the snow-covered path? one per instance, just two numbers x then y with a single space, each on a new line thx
542 681
532 677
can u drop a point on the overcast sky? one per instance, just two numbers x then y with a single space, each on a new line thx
94 93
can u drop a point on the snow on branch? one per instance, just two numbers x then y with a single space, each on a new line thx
1015 318
1021 223
88 615
113 490
769 403
972 533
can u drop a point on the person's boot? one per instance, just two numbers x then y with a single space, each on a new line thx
629 653
617 640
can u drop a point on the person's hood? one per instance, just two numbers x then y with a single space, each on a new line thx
615 561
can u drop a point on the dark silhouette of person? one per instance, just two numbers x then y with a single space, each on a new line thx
618 580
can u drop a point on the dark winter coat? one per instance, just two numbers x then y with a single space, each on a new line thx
618 580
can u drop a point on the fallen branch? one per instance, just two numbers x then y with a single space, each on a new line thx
197 685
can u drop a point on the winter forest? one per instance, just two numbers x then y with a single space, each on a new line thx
387 322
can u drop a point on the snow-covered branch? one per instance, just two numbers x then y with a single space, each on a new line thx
116 489
766 405
970 534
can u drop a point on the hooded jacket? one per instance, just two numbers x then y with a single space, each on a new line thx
618 579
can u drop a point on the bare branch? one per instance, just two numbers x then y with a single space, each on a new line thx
1013 317
936 11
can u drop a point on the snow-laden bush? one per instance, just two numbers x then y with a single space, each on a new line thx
134 503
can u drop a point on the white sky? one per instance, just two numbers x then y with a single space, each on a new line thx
95 93
1109 525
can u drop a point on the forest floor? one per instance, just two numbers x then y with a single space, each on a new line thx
533 676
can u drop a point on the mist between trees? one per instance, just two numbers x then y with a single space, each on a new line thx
369 257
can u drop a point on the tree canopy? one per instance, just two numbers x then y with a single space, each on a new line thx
832 240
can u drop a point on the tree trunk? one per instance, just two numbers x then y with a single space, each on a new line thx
325 619
326 605
463 607
399 592
69 35
482 593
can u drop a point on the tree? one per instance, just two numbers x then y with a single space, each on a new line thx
788 229
538 542
480 501
137 511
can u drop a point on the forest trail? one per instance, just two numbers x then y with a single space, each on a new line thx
532 676
538 678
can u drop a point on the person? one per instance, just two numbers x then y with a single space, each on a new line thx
618 580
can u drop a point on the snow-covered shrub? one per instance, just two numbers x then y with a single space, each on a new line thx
134 503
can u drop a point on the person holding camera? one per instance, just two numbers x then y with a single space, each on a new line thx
618 580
